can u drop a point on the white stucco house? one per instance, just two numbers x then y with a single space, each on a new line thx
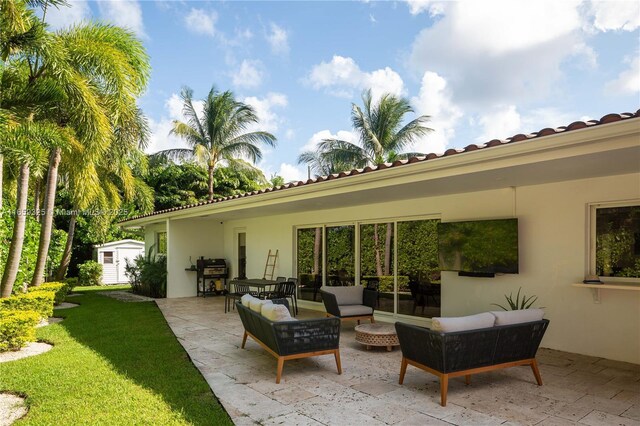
113 257
556 182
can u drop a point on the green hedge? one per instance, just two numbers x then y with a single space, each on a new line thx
40 302
90 273
386 282
60 289
17 328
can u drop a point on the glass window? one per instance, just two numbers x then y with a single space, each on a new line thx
107 257
162 243
617 241
340 248
376 262
309 259
418 270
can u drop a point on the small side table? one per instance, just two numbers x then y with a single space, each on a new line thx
377 335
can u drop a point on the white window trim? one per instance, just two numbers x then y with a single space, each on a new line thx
591 226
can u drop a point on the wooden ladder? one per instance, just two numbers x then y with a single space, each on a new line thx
272 258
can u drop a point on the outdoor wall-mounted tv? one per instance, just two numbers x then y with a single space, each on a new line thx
479 248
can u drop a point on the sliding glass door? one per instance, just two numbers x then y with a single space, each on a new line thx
377 262
309 262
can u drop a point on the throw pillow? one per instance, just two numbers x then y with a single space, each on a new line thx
275 312
518 316
471 322
246 299
256 304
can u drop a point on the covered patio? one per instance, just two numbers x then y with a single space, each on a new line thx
577 389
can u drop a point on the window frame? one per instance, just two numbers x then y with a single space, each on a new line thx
591 237
104 257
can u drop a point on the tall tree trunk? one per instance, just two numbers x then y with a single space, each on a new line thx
15 249
376 247
210 183
47 218
317 244
1 181
36 199
387 249
66 255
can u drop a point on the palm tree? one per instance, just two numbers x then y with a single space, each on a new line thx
107 67
220 134
19 148
381 137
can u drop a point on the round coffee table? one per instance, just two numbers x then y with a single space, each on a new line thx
377 335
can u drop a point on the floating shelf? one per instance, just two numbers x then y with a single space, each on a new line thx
595 288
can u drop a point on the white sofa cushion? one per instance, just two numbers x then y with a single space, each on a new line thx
518 316
256 304
275 312
246 299
351 295
353 310
471 322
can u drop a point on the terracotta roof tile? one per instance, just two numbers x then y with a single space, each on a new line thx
576 125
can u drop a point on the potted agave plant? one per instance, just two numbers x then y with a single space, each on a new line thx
520 302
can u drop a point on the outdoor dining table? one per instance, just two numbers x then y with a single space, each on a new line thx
258 283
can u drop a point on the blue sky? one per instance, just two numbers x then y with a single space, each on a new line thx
481 69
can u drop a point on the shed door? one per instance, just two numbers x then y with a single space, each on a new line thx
124 255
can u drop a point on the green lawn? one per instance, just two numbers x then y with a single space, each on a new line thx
112 363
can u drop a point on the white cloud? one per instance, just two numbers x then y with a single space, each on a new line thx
435 100
504 121
616 15
318 137
278 39
290 134
249 75
270 121
342 76
290 172
62 17
628 81
434 8
498 52
200 21
123 13
160 139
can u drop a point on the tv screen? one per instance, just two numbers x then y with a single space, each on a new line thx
479 247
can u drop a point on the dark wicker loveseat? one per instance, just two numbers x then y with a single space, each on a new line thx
287 340
464 353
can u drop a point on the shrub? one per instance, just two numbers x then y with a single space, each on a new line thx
17 328
148 275
40 302
90 273
71 282
386 283
60 289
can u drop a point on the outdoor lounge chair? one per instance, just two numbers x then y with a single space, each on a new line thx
353 303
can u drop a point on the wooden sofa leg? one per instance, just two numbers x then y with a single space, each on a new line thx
244 339
536 372
403 370
444 386
280 367
372 320
336 354
467 379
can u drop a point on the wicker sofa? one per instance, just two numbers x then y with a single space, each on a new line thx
463 353
292 339
349 302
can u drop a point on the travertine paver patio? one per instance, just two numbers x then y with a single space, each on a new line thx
577 389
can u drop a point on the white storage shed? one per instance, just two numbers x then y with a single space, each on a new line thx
113 258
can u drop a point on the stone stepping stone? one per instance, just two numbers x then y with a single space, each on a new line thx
32 349
12 408
66 305
49 321
125 296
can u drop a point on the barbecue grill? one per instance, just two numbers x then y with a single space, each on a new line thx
208 272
